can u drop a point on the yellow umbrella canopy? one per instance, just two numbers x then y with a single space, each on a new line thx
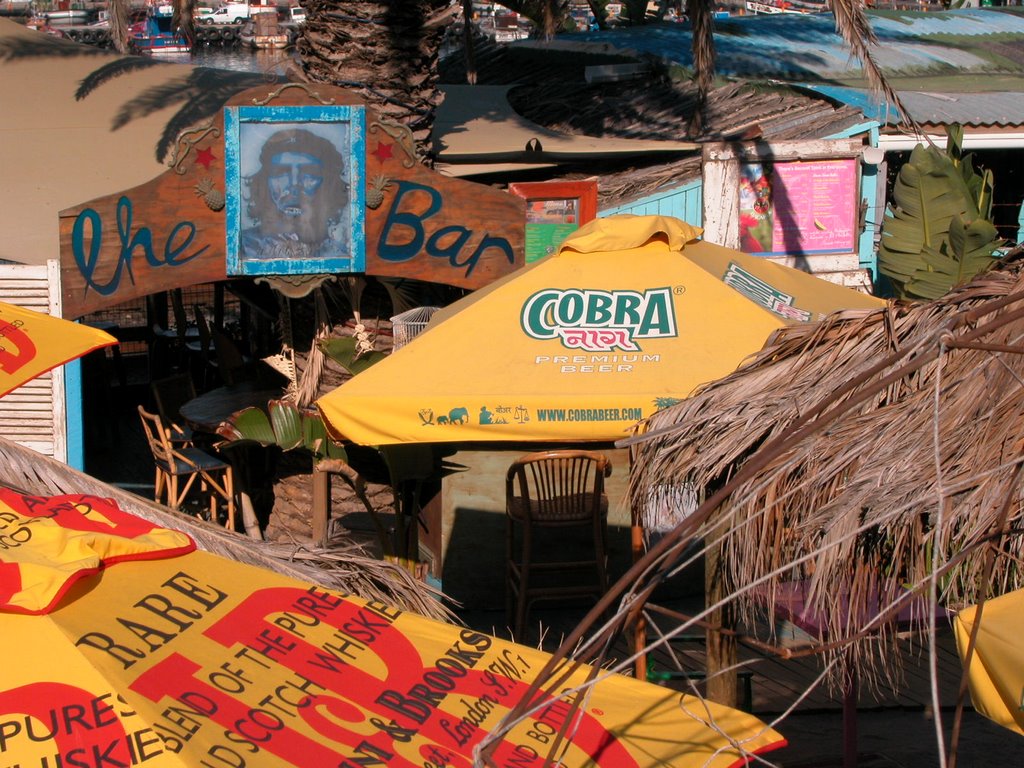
996 659
628 317
32 343
127 646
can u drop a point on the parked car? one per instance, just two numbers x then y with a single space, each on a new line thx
233 13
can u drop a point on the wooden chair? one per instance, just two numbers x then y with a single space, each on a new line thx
204 362
683 656
178 311
232 365
178 468
169 394
548 494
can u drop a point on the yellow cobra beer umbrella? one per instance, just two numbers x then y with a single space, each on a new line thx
996 670
125 646
627 317
32 343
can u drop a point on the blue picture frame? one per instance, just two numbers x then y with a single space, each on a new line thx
295 189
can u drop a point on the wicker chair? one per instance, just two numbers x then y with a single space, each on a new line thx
178 468
549 494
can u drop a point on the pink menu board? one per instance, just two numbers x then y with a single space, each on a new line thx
800 207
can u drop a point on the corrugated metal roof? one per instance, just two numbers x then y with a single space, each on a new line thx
551 91
858 98
980 110
807 47
977 109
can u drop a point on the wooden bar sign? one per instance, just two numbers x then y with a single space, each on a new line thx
238 200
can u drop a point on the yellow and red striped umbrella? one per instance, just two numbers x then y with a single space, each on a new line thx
126 646
32 343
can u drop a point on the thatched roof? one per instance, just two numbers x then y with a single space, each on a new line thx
348 570
871 450
552 91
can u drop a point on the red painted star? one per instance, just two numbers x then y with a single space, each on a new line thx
382 152
205 157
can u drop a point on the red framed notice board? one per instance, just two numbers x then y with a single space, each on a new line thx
554 210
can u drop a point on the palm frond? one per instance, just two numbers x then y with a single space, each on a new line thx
703 44
853 26
348 569
867 454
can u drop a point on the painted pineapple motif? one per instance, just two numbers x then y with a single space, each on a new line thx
212 196
375 194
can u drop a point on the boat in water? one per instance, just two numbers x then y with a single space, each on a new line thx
262 31
155 35
67 17
762 7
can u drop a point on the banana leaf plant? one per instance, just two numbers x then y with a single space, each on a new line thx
344 351
939 233
290 427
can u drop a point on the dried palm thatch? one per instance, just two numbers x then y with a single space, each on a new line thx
876 454
868 453
348 570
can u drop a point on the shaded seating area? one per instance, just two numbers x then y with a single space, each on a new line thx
178 469
169 394
680 658
212 330
556 529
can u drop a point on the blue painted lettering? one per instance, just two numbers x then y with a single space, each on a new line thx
404 234
413 222
87 239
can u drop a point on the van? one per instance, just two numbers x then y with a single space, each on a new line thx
296 14
232 13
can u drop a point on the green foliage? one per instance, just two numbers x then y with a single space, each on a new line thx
287 427
939 233
342 350
660 403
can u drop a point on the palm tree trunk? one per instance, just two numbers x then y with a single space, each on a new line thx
385 51
119 25
468 46
597 8
703 45
184 19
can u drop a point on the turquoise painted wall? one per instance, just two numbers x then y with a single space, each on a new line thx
685 202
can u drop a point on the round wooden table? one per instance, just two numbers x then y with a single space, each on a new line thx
207 411
210 409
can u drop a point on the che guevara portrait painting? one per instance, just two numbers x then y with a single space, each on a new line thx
295 189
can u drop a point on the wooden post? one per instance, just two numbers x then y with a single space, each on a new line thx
850 686
640 630
321 504
721 648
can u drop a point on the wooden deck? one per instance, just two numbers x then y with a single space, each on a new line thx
777 684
